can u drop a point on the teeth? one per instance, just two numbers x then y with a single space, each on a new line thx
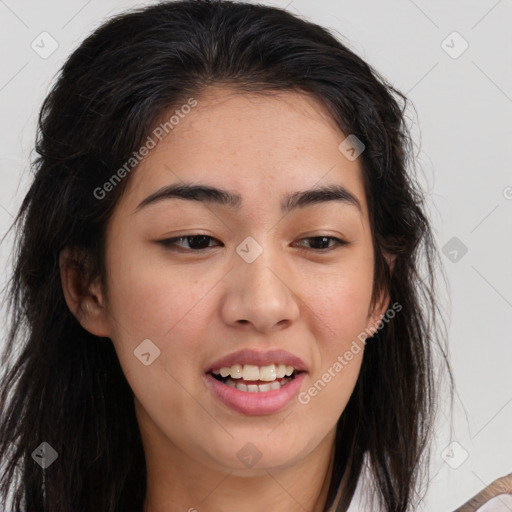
254 388
281 371
251 372
268 373
236 371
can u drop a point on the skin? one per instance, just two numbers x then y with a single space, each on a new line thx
199 306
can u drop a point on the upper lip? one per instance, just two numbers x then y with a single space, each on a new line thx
258 358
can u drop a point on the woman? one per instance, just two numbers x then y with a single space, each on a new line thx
216 289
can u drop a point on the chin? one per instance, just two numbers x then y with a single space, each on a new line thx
257 457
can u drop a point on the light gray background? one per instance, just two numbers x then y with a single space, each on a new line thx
464 113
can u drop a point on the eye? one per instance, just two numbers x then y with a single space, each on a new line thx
200 242
194 242
323 240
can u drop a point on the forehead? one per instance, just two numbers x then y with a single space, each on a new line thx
261 145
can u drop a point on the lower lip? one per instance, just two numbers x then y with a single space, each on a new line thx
265 402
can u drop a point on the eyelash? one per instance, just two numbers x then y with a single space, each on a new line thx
170 243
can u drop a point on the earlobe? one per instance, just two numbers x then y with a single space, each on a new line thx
378 313
380 309
84 299
390 259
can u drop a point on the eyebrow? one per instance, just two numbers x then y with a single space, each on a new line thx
233 200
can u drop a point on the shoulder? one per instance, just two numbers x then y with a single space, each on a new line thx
496 497
500 503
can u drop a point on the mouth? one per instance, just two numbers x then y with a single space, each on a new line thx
255 383
256 379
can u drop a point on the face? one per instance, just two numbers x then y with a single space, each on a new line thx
201 280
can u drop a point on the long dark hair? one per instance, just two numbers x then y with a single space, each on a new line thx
65 386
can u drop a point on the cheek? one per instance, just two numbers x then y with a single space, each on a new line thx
342 318
339 300
152 298
149 302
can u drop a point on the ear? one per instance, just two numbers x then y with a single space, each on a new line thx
390 259
85 299
375 316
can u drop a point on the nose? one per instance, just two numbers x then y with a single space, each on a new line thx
260 293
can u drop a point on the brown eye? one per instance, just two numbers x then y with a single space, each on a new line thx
193 242
322 242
